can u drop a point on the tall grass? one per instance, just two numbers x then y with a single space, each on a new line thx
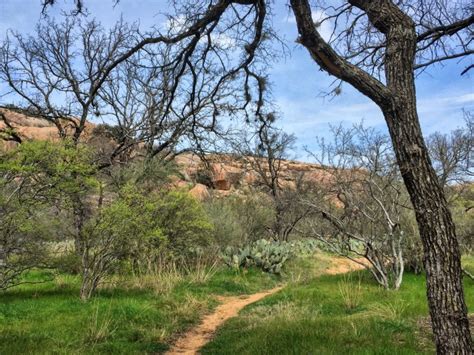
350 291
99 327
200 269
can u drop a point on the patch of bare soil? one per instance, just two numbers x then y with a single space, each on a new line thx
196 338
341 265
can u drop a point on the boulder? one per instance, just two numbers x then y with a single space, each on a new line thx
200 192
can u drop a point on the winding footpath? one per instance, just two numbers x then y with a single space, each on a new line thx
196 338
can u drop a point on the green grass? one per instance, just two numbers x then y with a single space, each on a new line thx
49 318
313 314
314 318
468 263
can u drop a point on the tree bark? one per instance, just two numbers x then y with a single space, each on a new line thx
397 100
442 256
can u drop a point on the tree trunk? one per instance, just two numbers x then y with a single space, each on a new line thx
442 259
442 256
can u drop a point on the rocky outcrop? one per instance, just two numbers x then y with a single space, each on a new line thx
30 127
224 174
217 174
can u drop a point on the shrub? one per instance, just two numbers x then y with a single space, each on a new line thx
25 237
239 220
68 262
127 228
140 229
184 222
23 246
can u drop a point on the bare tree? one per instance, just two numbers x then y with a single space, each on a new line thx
405 37
57 73
265 152
139 97
452 156
362 201
452 153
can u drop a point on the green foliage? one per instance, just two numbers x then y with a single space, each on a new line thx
126 228
184 222
34 178
25 236
128 224
49 169
67 262
239 220
140 228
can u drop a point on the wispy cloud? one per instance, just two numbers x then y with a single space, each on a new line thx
325 28
311 117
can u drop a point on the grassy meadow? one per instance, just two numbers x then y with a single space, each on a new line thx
313 314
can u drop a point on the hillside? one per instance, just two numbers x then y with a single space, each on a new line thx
220 174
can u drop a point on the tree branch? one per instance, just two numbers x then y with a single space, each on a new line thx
330 61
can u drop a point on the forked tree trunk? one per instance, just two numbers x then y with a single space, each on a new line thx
397 100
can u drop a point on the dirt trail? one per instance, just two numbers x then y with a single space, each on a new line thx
196 338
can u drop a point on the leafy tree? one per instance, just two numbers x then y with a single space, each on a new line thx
128 227
26 234
37 180
59 174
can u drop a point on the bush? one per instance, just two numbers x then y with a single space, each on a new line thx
184 222
24 241
239 220
68 262
126 228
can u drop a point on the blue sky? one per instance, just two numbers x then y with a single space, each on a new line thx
298 83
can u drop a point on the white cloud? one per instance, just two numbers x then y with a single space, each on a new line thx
222 40
308 117
325 29
175 24
179 23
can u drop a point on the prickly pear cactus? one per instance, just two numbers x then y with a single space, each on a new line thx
270 256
